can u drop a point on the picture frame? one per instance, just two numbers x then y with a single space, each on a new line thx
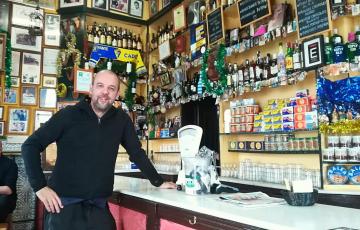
50 61
15 63
120 6
136 8
21 15
313 51
2 50
47 4
154 7
52 30
31 65
63 104
47 98
2 128
29 95
2 108
11 96
165 79
18 120
4 16
15 81
100 4
165 3
41 116
21 39
49 81
68 3
82 80
179 18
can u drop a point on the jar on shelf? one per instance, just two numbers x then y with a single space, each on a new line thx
302 144
354 154
309 144
328 154
355 141
341 154
315 143
345 141
334 141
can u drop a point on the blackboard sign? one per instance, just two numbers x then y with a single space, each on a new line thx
313 17
251 11
215 25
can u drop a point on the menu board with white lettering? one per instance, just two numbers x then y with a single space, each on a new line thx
251 11
215 26
313 17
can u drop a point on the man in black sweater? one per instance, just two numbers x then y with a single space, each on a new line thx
8 178
87 137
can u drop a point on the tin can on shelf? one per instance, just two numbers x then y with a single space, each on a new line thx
250 118
334 141
315 143
309 144
242 127
295 144
328 154
291 144
242 110
249 127
355 141
302 144
341 154
345 141
354 154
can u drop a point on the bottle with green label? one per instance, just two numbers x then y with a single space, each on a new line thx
351 48
336 36
328 51
339 49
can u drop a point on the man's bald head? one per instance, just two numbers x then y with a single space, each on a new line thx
107 73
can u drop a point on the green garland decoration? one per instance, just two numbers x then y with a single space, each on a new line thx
65 54
129 96
8 61
216 87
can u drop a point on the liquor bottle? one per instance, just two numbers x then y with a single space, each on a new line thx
129 40
153 42
252 71
228 77
246 71
336 36
351 48
259 68
133 87
235 78
274 70
139 44
171 30
281 60
114 37
339 54
90 36
160 37
134 42
103 35
124 39
96 35
289 64
267 67
109 36
297 57
357 35
120 38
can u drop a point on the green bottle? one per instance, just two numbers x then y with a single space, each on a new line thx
328 51
336 38
351 48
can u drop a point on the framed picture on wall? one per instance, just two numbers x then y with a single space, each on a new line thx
120 5
15 81
166 3
21 39
4 16
49 61
40 117
52 30
153 7
136 8
70 3
18 120
21 15
49 81
48 4
47 98
100 4
2 128
31 64
29 95
11 96
179 18
2 50
1 112
82 80
313 51
15 63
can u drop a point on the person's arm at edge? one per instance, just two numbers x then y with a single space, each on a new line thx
10 179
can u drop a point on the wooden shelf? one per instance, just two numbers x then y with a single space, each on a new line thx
340 163
272 132
162 138
342 187
167 152
277 152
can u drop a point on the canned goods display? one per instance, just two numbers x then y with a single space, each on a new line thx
341 154
355 141
309 145
334 141
354 154
328 154
345 141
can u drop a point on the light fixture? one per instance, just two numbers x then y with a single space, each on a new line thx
37 21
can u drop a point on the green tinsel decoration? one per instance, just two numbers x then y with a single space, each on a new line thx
129 96
8 60
219 86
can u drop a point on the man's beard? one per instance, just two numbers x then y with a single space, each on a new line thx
101 107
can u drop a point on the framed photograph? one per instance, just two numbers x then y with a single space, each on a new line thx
1 112
49 60
136 8
47 4
64 104
11 96
82 80
100 4
21 39
40 117
52 30
15 81
153 7
49 81
179 18
15 63
2 128
29 95
4 16
47 98
165 79
18 120
2 50
120 5
31 64
21 15
70 3
165 3
313 50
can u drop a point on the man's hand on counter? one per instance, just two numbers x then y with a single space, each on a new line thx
50 199
168 185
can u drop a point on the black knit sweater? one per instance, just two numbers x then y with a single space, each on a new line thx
86 151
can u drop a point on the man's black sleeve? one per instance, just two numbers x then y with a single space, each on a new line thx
137 155
37 143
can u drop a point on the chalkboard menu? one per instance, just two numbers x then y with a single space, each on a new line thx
251 11
312 16
215 26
